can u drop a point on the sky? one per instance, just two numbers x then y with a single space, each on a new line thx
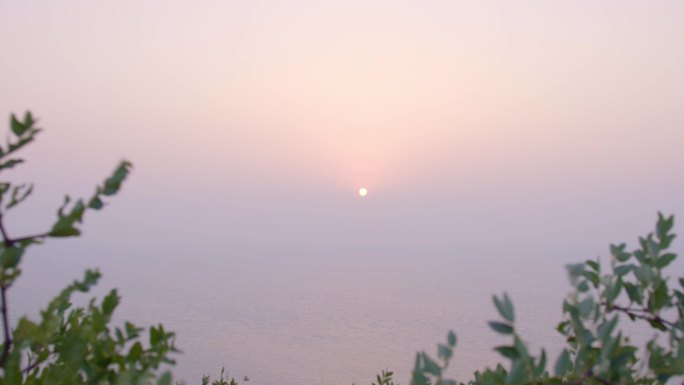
496 139
482 126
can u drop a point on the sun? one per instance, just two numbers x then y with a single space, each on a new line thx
363 191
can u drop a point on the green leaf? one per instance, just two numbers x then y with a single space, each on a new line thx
419 378
653 248
541 366
165 379
623 269
562 326
659 297
95 203
563 365
633 292
508 352
517 374
110 302
583 287
131 330
113 183
19 128
586 306
664 226
451 339
521 347
444 352
657 324
65 232
10 256
644 274
618 251
665 260
592 277
594 265
501 327
613 291
155 336
10 163
19 194
431 366
606 328
135 352
505 308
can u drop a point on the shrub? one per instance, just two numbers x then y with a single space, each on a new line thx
69 344
634 287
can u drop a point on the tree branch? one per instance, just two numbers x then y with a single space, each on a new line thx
7 344
643 314
6 329
29 237
9 241
30 367
5 238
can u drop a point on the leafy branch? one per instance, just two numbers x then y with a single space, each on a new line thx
597 351
69 345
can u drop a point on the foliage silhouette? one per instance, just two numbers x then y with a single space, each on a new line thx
69 344
597 350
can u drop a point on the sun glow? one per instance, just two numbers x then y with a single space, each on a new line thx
363 191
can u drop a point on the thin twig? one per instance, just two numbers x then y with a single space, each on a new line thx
30 367
646 315
29 237
7 344
5 238
6 329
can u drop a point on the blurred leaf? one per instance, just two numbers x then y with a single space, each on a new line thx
451 339
517 374
10 256
659 297
18 127
592 277
505 308
613 291
665 260
623 269
657 324
633 292
10 163
618 251
95 203
444 352
19 194
500 327
508 352
65 232
165 379
563 365
541 367
113 183
431 366
594 265
110 302
586 306
606 328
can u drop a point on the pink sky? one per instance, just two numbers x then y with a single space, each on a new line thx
495 138
265 117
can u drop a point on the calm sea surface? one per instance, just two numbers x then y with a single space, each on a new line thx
308 321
